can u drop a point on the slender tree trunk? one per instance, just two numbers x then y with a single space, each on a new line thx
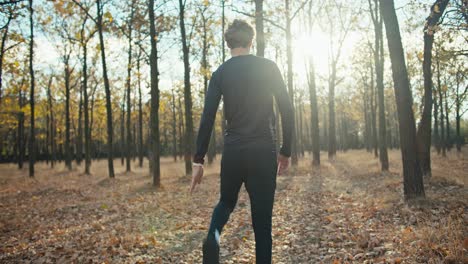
223 54
289 55
67 72
367 132
140 115
79 143
424 128
129 83
189 139
205 67
181 128
32 135
447 123
379 71
174 129
50 125
325 131
412 176
443 142
87 132
110 156
154 115
436 124
373 108
314 122
259 28
331 113
3 49
122 130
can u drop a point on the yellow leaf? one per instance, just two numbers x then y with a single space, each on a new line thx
436 9
109 17
420 55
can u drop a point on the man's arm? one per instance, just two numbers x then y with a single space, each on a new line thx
212 98
286 111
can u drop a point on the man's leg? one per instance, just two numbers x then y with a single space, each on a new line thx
231 182
261 185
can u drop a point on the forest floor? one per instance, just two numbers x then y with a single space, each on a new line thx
346 211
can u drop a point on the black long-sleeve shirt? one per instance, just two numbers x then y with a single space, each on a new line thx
248 85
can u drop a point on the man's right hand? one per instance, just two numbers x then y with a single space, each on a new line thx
283 164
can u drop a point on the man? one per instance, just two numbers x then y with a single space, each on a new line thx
249 85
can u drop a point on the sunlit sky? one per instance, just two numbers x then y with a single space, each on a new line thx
171 65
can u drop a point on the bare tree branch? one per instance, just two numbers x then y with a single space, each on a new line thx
266 19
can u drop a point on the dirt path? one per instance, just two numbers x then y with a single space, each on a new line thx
344 212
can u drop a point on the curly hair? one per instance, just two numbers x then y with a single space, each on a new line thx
239 34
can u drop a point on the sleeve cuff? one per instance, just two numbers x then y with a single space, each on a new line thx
198 159
285 152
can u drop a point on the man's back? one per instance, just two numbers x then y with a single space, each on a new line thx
247 88
249 85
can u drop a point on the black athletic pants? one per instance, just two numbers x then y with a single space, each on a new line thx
255 165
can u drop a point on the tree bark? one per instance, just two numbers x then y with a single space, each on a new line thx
424 128
51 124
259 28
66 62
32 135
154 115
174 127
3 49
79 141
87 132
442 141
373 108
412 176
110 156
140 114
189 139
128 149
379 73
289 55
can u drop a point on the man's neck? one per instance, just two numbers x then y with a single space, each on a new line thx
240 52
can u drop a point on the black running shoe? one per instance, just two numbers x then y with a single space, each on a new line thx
210 251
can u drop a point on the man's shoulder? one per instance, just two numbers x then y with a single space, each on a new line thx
256 60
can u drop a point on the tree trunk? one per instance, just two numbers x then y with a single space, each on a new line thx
32 134
128 149
331 113
373 108
436 125
424 128
122 130
412 176
87 131
181 128
442 141
447 123
174 129
367 132
289 55
110 156
51 123
154 115
379 73
67 72
140 115
189 139
223 55
79 142
2 49
259 28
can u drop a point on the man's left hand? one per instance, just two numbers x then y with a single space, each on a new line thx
197 174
